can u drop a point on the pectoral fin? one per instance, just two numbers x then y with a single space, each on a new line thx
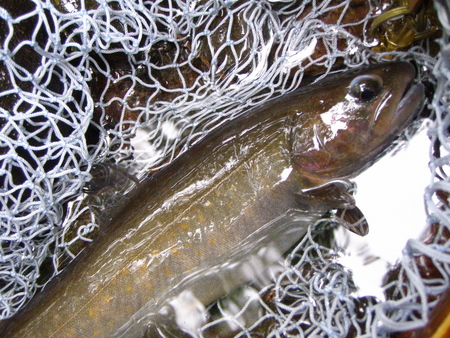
338 195
335 194
354 220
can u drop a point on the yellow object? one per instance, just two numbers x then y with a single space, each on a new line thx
399 27
443 329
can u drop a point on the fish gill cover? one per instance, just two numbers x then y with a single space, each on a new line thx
134 83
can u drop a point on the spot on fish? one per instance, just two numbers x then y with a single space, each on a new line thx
184 226
201 218
107 298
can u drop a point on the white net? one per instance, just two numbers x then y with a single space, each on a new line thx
135 82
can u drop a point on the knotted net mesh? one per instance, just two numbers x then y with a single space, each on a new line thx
135 82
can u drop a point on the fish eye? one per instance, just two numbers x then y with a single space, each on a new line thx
365 88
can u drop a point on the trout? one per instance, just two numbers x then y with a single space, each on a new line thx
204 224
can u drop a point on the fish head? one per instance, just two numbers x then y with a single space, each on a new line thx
352 120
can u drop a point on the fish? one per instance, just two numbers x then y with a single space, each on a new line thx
239 197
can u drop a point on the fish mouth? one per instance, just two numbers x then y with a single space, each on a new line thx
413 96
408 109
410 105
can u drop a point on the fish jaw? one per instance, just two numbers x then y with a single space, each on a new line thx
349 134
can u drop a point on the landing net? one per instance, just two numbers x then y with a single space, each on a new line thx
135 82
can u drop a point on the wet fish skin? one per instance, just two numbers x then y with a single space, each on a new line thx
352 137
237 190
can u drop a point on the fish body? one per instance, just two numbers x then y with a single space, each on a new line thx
238 191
